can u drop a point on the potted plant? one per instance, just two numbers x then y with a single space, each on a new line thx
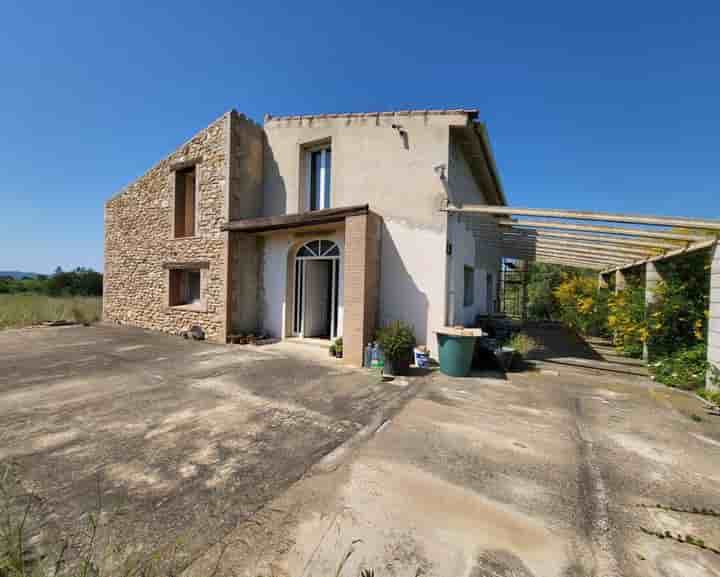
397 341
339 347
332 351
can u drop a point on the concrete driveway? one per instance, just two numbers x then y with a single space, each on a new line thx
562 472
571 470
176 439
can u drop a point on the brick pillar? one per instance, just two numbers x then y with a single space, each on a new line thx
652 278
361 282
714 321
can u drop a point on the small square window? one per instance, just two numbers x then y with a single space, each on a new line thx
468 286
185 287
185 188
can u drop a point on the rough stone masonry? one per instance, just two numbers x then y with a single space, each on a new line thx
140 248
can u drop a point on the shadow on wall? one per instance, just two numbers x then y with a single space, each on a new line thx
400 298
274 189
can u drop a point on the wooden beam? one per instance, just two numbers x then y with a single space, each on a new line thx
692 248
603 229
651 244
595 246
561 259
531 249
584 255
599 262
571 263
602 262
562 249
527 249
683 222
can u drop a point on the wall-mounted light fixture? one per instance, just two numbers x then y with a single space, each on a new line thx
439 170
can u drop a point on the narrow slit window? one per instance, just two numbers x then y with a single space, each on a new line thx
185 192
319 177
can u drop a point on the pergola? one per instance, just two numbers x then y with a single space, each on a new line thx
612 244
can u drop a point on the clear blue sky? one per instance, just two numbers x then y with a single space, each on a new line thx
606 105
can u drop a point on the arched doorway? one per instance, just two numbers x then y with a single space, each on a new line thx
317 278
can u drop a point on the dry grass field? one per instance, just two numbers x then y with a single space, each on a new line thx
20 310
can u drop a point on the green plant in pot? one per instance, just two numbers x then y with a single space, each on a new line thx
332 351
339 347
397 341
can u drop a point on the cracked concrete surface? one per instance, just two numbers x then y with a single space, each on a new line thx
178 439
533 475
290 464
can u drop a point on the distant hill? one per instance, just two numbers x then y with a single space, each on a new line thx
16 274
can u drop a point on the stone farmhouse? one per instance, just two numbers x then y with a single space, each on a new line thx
315 226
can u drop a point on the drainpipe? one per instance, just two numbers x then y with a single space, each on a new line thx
440 171
449 249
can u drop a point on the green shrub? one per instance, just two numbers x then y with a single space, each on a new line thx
677 319
582 306
397 340
684 369
523 343
626 319
712 396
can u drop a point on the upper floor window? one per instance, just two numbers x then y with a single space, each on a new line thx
185 187
318 163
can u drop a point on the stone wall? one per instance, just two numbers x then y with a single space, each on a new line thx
140 248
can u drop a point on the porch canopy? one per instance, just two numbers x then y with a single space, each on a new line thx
606 242
276 266
574 238
295 220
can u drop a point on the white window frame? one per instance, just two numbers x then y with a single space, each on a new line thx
300 283
326 154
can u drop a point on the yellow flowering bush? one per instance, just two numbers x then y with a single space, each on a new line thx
582 306
673 325
627 321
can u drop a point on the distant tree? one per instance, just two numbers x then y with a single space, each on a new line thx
80 281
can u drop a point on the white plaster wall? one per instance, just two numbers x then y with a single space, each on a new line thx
468 252
462 185
412 279
371 163
274 271
714 323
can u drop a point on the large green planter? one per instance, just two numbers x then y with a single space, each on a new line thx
456 354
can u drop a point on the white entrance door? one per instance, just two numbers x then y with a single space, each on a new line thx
317 298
